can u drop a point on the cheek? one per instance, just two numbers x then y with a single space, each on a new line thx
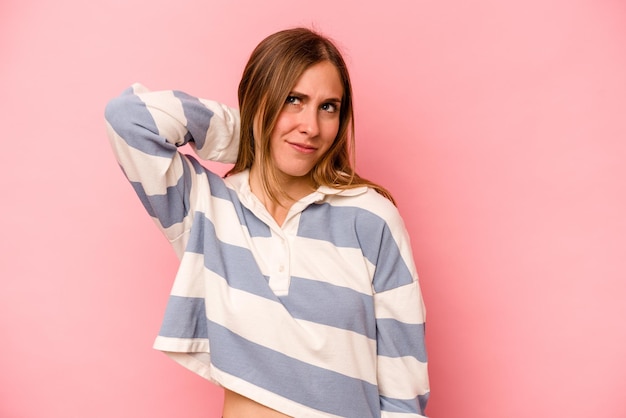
279 130
284 123
330 130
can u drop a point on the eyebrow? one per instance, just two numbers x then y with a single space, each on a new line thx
306 97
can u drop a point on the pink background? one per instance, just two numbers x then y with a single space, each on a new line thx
499 126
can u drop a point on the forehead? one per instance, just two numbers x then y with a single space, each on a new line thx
321 80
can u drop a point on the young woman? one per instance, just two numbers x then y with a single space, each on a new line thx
296 290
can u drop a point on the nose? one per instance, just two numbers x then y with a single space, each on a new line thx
309 123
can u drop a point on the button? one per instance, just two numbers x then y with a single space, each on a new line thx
281 268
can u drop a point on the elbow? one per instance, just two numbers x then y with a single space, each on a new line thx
117 110
120 107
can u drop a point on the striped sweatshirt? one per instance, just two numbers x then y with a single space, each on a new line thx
321 316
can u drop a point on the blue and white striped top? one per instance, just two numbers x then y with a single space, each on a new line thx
320 317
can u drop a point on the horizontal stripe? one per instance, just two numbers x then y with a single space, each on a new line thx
336 230
184 318
318 388
169 208
130 118
423 401
402 377
391 270
190 277
364 230
400 405
403 303
330 305
183 345
271 325
398 408
219 188
231 262
397 339
163 171
341 266
387 414
197 115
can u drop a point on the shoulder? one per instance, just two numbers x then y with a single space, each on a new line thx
366 201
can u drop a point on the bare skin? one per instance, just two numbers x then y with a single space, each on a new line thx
237 406
295 188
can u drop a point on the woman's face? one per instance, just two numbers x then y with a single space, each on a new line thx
309 121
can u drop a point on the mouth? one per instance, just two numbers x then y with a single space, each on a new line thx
303 148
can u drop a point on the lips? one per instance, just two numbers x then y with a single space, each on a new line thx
302 148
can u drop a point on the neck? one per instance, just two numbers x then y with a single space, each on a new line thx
288 191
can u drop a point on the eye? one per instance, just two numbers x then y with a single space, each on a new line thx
293 100
329 107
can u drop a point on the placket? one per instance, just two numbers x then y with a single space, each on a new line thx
278 261
280 265
282 238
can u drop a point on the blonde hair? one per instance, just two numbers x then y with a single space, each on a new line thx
271 72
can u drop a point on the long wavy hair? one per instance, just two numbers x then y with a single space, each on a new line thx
268 78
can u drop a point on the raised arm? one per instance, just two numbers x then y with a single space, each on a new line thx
146 128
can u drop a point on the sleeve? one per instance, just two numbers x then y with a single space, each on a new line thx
146 128
402 368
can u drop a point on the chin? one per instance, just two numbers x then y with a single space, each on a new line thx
296 172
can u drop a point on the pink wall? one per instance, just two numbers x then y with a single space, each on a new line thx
499 126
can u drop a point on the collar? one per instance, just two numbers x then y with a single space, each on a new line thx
241 186
240 183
